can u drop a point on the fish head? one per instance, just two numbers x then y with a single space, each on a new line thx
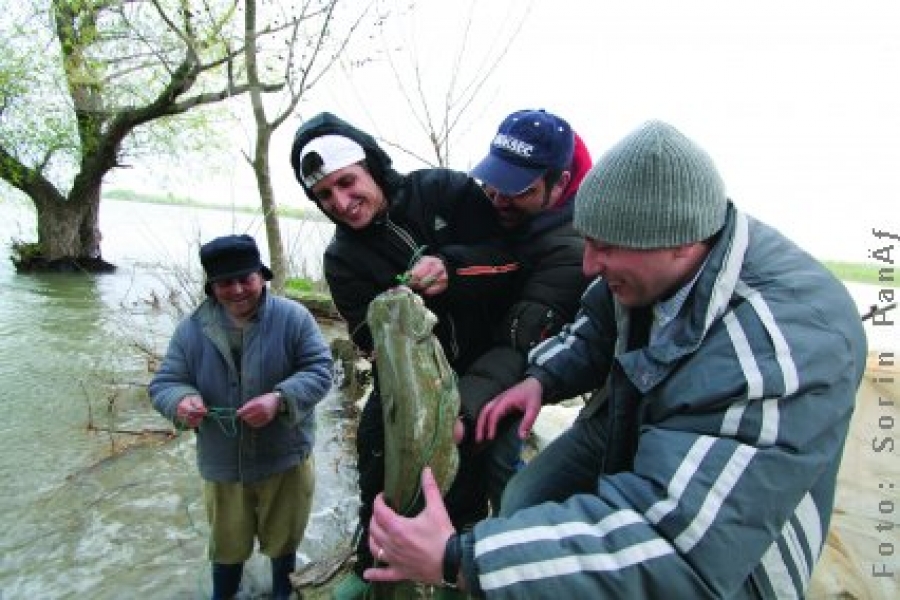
402 310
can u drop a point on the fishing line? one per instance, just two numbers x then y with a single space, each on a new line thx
226 419
430 450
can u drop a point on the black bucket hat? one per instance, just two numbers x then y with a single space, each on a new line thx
229 257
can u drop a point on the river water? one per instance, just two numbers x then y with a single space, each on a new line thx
86 513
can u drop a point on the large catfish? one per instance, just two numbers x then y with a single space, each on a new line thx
419 397
420 402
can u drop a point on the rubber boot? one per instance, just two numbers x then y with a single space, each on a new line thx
226 580
351 587
281 583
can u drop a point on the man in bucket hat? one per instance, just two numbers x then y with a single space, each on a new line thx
245 371
730 360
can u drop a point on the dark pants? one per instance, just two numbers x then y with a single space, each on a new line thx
477 478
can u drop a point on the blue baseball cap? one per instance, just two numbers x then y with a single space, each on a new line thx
527 144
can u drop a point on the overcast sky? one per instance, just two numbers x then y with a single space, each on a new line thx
795 100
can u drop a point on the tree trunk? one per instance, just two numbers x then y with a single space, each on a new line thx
260 160
70 229
267 200
68 233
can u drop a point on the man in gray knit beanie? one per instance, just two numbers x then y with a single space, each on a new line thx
728 361
656 197
654 189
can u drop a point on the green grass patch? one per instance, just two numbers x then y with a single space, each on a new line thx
312 294
880 275
300 285
303 286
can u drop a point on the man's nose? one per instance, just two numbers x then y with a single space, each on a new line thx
500 200
340 201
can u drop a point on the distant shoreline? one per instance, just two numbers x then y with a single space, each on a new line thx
122 195
847 271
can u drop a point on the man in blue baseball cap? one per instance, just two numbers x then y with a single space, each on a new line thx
535 162
531 173
528 143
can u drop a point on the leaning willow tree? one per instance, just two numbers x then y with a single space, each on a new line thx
89 86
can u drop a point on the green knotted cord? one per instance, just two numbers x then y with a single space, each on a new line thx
226 418
403 278
428 454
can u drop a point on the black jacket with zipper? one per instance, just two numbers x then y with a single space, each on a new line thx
430 211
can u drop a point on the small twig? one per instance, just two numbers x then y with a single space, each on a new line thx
144 431
87 398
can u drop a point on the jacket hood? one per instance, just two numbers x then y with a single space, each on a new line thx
581 164
377 160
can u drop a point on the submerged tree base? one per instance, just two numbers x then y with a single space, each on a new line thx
66 264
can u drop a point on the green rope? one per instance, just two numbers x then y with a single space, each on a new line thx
428 454
226 418
403 278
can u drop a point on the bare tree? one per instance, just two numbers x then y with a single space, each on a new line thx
442 100
309 53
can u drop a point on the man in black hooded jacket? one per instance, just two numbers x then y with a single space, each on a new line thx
437 230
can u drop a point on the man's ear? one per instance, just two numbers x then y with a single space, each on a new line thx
553 195
688 250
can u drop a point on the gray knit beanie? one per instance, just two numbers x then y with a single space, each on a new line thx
654 189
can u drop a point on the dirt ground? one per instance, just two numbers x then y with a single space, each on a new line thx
862 554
